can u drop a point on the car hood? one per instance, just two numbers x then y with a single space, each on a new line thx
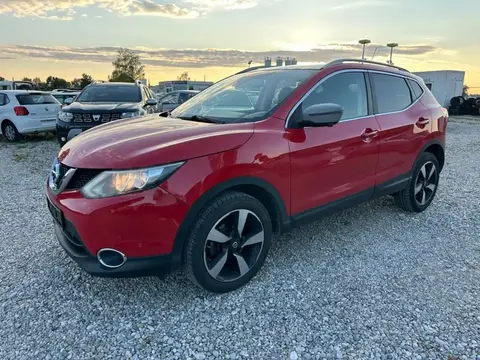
100 107
149 141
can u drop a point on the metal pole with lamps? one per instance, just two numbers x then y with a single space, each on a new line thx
391 46
364 42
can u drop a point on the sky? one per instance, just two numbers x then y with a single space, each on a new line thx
212 39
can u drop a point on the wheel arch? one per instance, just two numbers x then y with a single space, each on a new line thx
436 148
258 188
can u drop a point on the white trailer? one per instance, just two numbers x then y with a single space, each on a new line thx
444 84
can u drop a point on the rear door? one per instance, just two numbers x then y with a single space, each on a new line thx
405 125
339 162
42 107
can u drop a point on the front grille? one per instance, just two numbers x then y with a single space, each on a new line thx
94 118
80 178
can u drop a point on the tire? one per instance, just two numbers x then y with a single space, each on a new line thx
411 199
10 132
238 259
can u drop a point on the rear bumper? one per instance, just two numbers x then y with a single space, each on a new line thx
134 267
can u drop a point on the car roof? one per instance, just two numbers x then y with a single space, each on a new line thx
20 92
113 84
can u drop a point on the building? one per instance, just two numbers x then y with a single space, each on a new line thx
164 87
444 84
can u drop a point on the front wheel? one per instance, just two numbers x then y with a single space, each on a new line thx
228 243
422 186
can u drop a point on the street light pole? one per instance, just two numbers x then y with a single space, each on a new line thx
391 46
364 42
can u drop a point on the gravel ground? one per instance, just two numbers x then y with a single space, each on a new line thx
371 282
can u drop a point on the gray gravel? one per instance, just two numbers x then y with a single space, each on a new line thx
371 282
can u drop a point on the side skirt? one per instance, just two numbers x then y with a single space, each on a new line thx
390 187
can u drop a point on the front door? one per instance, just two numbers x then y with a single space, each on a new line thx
339 162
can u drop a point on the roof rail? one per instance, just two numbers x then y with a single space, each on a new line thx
342 61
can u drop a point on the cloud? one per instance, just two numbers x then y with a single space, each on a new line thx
202 58
360 4
65 9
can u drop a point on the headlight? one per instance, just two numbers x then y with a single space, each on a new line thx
65 116
127 115
113 183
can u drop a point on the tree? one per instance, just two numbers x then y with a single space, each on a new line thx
82 82
56 83
27 79
2 78
127 67
465 90
183 76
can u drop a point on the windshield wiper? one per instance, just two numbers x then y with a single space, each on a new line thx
201 119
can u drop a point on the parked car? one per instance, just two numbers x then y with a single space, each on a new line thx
100 103
207 187
62 96
26 112
16 85
170 101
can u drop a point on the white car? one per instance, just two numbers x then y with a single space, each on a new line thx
27 112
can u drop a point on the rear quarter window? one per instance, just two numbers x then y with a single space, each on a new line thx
416 89
4 100
36 99
391 93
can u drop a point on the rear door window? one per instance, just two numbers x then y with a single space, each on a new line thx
36 99
4 100
391 93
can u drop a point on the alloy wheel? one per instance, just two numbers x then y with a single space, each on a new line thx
233 245
10 132
426 183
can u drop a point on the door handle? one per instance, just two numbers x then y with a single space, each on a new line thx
422 121
368 135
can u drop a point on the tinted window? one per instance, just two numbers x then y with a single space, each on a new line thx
36 99
392 93
4 99
169 99
417 89
184 97
346 89
111 93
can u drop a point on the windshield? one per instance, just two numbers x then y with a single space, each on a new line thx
110 93
245 97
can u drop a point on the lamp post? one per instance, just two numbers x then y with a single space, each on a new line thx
364 42
391 46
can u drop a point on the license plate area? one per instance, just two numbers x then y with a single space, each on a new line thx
56 213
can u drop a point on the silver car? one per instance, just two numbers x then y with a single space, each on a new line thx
170 101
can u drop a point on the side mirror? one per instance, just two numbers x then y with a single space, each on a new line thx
322 115
151 102
68 101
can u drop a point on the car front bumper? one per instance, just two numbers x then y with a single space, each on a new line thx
142 226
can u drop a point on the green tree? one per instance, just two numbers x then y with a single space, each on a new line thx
82 82
127 67
27 79
56 83
2 78
183 76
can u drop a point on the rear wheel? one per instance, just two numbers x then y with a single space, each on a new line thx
229 243
10 132
422 186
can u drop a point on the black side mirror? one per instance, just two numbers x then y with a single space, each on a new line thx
151 102
321 115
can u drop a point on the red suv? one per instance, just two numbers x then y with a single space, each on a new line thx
207 185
